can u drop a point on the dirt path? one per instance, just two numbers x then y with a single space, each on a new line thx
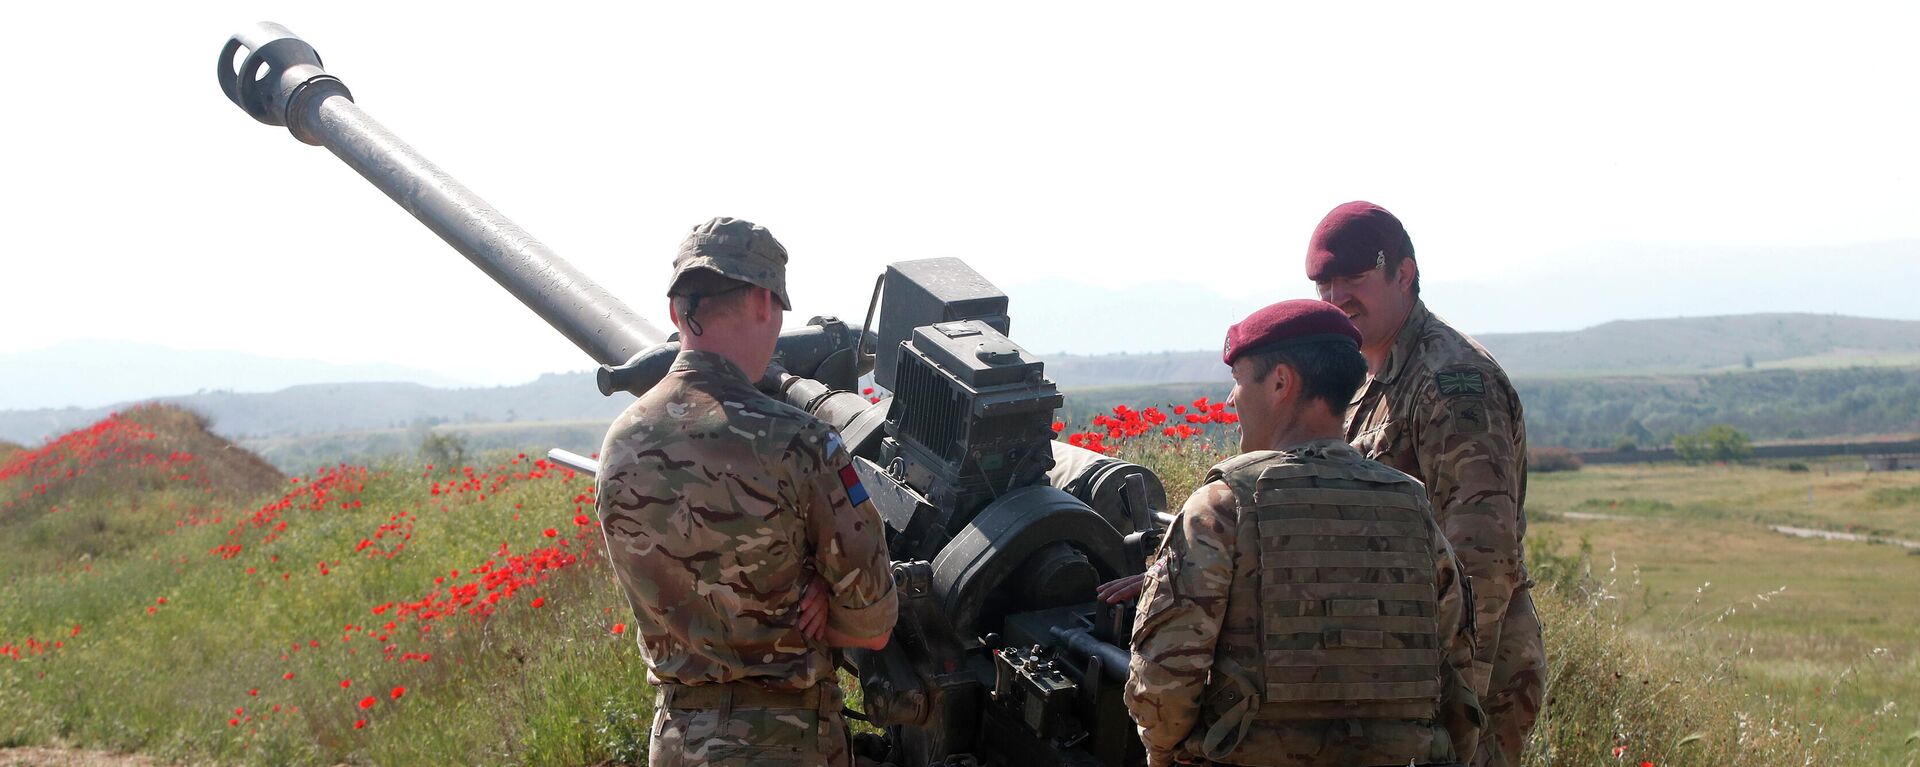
1805 532
1797 532
46 756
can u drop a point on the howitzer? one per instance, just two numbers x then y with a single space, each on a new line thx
998 532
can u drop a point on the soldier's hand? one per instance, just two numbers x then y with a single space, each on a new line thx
813 608
1120 589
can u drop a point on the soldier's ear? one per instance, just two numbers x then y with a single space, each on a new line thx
766 305
1281 377
1408 272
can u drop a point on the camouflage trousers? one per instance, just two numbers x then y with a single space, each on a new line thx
746 731
1516 686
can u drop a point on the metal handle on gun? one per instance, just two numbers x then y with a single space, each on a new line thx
574 461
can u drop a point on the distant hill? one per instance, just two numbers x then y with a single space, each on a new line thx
1693 344
1625 347
328 408
96 372
1813 376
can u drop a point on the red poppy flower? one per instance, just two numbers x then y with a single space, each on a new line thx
581 519
367 702
345 683
619 628
359 724
399 691
288 676
550 532
539 601
1059 427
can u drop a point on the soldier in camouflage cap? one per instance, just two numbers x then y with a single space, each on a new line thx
739 530
1304 608
1438 407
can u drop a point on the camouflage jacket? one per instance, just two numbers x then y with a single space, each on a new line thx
719 504
1444 412
1200 615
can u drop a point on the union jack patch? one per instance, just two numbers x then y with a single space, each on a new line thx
1460 382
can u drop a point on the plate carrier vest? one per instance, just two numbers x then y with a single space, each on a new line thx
1348 605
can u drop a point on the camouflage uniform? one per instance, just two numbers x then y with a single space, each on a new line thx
719 505
1244 662
1443 411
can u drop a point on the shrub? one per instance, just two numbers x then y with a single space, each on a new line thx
1546 459
443 449
1718 442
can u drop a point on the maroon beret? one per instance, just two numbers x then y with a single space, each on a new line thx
1353 238
1302 320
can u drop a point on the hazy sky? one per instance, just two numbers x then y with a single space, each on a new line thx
1112 144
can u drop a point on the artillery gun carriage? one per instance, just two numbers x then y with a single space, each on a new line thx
998 533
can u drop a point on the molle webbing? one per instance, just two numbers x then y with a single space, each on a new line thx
1349 623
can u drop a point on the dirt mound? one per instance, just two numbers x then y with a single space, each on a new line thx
234 472
145 449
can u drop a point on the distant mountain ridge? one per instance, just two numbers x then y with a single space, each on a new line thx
1630 347
98 372
1622 347
328 408
1694 344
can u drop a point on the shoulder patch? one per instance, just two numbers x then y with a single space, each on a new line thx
1469 416
1454 382
850 480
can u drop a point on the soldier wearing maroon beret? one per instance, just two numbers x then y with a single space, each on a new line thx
1304 607
1438 407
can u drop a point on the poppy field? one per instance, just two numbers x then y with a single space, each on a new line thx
390 614
163 593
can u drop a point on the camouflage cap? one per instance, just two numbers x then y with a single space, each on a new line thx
736 248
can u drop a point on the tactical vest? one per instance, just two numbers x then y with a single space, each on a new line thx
1348 609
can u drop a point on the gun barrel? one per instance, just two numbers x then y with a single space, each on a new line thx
281 82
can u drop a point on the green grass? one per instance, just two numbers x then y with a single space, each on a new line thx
1671 636
1824 630
1833 495
547 685
1645 655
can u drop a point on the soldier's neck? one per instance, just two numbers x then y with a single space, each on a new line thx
1380 350
739 348
1316 421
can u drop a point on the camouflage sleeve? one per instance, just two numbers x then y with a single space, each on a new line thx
1468 448
1460 710
1456 622
849 541
1182 606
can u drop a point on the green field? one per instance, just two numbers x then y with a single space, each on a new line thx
1832 627
161 593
